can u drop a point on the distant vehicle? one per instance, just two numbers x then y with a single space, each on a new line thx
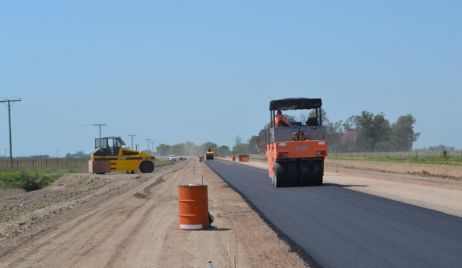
210 154
110 150
172 158
296 152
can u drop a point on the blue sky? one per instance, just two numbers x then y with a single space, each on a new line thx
206 70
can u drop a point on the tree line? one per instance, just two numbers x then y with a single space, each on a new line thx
365 132
190 149
368 132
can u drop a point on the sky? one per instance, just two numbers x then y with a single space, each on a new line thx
176 71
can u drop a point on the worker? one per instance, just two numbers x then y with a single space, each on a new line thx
281 121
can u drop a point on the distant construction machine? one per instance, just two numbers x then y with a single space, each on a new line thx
110 155
296 152
209 154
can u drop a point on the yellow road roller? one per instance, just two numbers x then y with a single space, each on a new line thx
111 155
209 154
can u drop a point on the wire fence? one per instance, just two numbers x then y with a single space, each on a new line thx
415 156
28 163
420 156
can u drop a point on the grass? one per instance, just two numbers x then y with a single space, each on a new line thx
36 178
407 158
33 179
436 160
161 161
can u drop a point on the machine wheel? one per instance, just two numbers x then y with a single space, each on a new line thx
147 167
306 175
292 172
279 180
318 172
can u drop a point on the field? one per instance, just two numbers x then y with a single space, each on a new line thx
32 163
32 174
424 157
428 157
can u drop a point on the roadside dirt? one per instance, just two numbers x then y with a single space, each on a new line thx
135 224
437 193
26 214
425 170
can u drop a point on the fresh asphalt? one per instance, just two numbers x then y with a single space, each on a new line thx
339 227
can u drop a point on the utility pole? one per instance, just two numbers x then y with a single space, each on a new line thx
131 136
100 125
147 141
152 146
9 123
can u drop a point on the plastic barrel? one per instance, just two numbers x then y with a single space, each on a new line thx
193 207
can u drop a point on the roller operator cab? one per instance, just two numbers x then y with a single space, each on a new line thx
121 158
296 152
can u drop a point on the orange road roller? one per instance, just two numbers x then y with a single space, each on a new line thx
296 147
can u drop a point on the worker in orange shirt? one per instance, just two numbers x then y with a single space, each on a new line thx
281 121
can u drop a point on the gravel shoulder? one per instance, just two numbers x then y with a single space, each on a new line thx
434 192
120 220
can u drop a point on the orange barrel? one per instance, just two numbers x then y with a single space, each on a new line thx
193 207
243 158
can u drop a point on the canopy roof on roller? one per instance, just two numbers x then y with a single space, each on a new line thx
295 104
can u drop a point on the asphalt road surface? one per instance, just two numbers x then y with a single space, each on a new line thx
339 227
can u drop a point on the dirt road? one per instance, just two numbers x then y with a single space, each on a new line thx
139 228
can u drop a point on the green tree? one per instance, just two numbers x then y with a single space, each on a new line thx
223 150
241 148
334 132
254 145
382 134
403 134
178 149
237 140
190 148
374 132
163 149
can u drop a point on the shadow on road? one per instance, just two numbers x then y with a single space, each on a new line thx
214 228
344 185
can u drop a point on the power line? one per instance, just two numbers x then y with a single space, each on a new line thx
9 124
51 116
